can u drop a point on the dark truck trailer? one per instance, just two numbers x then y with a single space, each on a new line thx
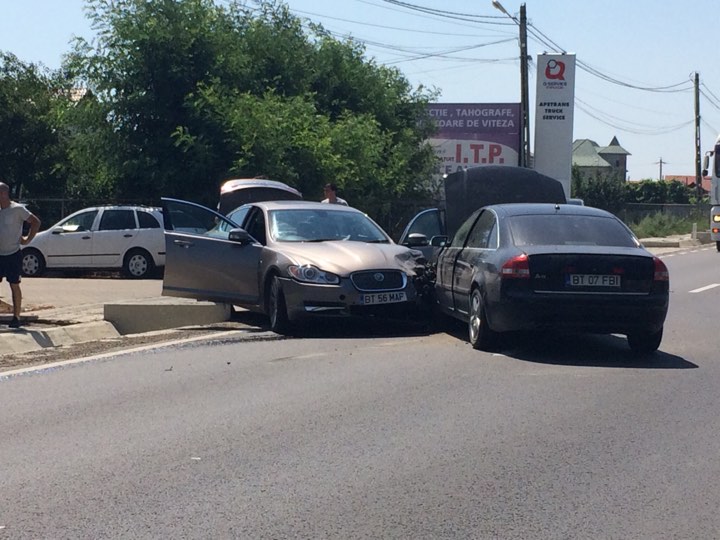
467 190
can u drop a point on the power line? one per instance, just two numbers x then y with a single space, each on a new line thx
419 54
543 39
360 23
496 19
703 121
587 109
710 100
425 16
717 99
415 54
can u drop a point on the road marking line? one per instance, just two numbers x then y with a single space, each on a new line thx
706 288
53 365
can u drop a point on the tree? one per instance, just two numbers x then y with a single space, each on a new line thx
30 149
601 191
188 92
678 193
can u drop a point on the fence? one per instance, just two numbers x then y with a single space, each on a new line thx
392 216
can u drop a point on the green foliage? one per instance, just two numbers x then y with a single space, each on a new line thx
601 192
609 194
678 193
652 192
659 225
30 150
186 93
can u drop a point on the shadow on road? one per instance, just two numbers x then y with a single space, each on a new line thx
609 351
543 348
80 273
340 328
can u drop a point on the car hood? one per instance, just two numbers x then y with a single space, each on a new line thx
345 257
40 239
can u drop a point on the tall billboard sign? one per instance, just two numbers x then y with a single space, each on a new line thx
475 134
555 98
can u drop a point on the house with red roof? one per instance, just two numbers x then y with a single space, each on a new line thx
689 181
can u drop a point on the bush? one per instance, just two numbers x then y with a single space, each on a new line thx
660 224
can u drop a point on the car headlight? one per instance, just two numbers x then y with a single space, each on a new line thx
312 274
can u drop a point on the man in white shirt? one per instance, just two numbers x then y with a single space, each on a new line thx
331 195
12 217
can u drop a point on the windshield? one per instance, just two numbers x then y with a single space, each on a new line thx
534 230
323 225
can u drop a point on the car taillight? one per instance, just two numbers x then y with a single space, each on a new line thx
516 268
661 271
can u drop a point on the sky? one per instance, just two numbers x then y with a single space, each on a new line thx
639 59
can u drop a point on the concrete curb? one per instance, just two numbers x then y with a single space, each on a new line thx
660 243
96 322
677 241
24 340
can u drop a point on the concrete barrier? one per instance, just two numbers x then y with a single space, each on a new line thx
135 317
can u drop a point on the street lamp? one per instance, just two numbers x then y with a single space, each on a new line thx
524 94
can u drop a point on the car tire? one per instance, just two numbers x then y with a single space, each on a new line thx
33 262
644 343
277 309
481 336
138 264
717 246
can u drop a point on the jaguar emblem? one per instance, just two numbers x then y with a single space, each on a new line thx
379 276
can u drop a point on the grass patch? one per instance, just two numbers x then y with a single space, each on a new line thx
660 224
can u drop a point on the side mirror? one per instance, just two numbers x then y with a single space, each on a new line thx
416 240
439 240
240 236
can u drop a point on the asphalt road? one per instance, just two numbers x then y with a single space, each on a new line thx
375 433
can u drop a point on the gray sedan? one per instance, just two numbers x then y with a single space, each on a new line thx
289 260
552 267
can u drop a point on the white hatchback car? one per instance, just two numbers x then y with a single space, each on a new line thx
129 238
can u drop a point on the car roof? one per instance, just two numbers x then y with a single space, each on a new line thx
303 205
520 209
121 207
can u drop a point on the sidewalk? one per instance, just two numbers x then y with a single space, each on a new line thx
64 311
661 245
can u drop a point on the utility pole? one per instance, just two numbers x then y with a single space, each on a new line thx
524 93
661 162
698 164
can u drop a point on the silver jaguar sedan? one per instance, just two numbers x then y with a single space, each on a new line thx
289 260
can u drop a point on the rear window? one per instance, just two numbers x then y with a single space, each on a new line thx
147 220
117 220
564 230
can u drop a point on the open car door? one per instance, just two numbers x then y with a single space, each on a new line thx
208 257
